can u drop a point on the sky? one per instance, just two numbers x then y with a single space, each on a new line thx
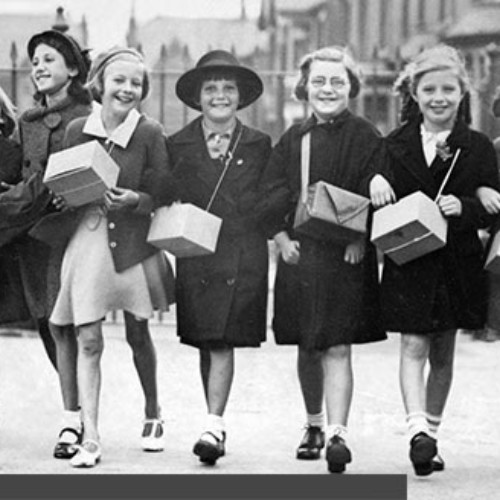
108 19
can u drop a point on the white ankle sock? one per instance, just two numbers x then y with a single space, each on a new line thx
72 419
433 423
317 420
215 424
336 430
417 422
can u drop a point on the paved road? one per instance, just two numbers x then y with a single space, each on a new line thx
264 416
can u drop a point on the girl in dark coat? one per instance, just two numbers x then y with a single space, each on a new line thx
325 292
12 303
221 298
431 297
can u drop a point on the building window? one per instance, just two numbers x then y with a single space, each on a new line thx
383 22
421 14
405 25
442 10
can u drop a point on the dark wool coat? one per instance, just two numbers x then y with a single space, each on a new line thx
42 132
446 288
221 298
322 301
144 168
12 303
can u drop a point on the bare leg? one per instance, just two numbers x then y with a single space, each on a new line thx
205 370
338 383
67 350
441 356
90 348
220 379
144 354
413 356
48 342
310 373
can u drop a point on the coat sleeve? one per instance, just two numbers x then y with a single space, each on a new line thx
277 199
156 185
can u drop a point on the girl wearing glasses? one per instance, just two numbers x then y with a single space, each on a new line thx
325 292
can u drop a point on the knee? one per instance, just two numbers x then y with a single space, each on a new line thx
414 347
307 357
137 334
91 347
338 353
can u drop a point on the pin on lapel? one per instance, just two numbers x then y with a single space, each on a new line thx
239 162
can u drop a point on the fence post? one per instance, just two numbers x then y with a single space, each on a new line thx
13 59
162 67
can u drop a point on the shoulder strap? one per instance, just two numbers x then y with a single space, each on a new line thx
447 176
305 159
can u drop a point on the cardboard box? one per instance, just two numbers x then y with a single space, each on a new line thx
81 174
184 230
493 260
331 213
410 228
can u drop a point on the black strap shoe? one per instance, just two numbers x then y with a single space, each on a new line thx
337 454
423 449
312 443
64 449
209 452
438 463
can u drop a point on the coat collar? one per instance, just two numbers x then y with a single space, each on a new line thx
192 133
405 143
334 124
121 135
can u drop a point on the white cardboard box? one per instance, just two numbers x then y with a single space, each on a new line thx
493 260
410 228
81 174
184 230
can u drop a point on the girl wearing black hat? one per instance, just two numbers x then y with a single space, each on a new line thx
325 296
59 70
221 298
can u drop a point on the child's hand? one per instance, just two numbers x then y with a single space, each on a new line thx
450 205
381 192
6 186
354 252
489 198
59 203
289 249
118 198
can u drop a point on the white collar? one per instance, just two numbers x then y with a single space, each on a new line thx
433 136
121 135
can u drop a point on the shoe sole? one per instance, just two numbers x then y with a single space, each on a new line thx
421 455
337 457
308 455
86 465
207 453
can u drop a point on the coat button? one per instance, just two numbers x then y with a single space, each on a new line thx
230 281
113 244
111 225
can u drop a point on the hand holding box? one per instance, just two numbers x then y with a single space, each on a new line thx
81 174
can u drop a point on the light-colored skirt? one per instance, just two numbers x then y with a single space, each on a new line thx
90 286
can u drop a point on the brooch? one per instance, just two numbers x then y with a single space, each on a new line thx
443 150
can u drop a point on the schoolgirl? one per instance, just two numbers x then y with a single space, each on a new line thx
107 264
325 296
431 297
221 298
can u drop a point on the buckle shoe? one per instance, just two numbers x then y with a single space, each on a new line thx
207 450
152 435
423 449
337 454
65 449
312 443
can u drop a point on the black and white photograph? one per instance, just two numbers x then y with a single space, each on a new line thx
250 239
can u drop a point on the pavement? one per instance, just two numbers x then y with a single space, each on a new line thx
264 417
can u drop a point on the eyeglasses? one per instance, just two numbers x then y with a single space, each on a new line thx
320 81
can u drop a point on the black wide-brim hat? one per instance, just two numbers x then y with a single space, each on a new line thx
249 83
79 57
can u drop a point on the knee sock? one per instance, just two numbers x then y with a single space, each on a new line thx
417 422
316 420
433 422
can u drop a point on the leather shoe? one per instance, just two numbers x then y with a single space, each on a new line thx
65 449
337 454
87 455
423 449
312 443
437 463
210 447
